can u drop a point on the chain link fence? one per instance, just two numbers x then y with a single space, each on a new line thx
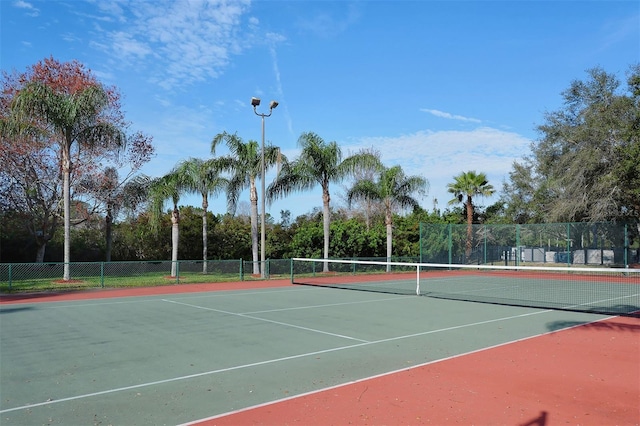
20 277
566 244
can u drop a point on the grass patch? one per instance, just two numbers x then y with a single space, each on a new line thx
124 281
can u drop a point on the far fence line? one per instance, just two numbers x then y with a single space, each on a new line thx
563 244
48 276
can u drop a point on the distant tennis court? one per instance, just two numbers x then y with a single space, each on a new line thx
182 357
614 291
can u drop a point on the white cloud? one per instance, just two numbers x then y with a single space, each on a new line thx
189 41
327 25
439 156
30 9
280 92
450 116
104 76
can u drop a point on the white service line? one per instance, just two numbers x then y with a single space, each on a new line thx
267 320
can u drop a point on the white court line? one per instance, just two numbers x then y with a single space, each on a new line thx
287 358
267 320
328 305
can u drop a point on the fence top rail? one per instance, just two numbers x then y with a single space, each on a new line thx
121 262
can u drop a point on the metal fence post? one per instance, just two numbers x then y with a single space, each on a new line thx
626 247
484 232
450 245
568 244
518 248
420 239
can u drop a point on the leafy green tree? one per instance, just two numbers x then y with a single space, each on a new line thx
191 243
135 238
585 165
307 241
465 187
16 242
627 167
203 178
280 237
525 194
351 238
395 191
407 231
245 164
319 163
233 237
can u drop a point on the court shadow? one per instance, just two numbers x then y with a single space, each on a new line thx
632 311
541 420
19 297
16 309
601 325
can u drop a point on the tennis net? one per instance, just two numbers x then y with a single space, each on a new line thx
611 291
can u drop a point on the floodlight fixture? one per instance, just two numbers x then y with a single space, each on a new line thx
273 104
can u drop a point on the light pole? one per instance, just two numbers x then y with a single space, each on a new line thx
255 102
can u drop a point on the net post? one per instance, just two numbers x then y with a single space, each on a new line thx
291 270
418 279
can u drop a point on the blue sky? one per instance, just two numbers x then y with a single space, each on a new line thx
438 87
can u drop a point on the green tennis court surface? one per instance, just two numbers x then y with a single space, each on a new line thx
177 358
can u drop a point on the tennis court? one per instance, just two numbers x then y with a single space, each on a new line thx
181 357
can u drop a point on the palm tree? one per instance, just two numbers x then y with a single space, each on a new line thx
319 163
394 190
73 116
203 177
367 205
466 186
160 190
245 164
